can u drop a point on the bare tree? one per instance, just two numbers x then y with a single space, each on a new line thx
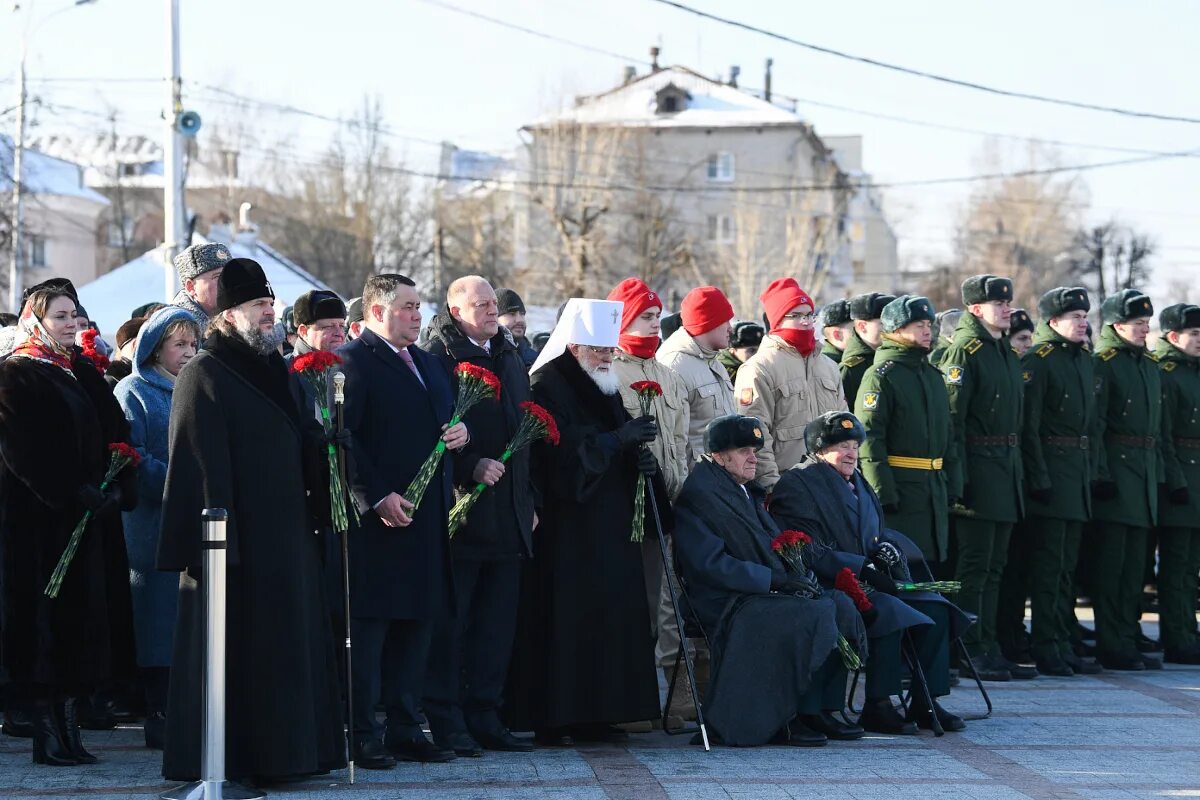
1111 257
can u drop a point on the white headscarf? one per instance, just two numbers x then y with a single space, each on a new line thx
591 322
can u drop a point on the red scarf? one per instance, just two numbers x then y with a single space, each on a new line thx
638 346
804 340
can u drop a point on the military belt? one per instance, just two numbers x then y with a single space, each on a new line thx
1004 440
1082 442
910 462
1141 442
1190 443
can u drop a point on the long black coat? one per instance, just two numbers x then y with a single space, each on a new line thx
54 434
236 443
584 652
501 523
397 573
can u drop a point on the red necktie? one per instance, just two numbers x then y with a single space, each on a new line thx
407 358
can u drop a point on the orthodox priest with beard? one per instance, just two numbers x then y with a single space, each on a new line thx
585 655
237 442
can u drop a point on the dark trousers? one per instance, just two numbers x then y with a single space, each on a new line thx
1051 563
827 689
389 665
1178 567
1117 574
1014 591
885 669
470 654
982 554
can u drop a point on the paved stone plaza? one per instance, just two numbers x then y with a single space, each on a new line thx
1109 737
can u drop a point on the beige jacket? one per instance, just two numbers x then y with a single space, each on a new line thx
670 410
786 391
709 392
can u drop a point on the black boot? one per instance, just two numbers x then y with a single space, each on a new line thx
16 721
48 745
880 716
155 729
67 713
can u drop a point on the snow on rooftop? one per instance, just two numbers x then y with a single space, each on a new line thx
711 105
133 161
44 174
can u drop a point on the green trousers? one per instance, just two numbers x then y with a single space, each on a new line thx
1178 568
1117 574
1014 591
982 553
827 688
885 668
1054 549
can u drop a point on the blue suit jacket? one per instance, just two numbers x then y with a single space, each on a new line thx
395 423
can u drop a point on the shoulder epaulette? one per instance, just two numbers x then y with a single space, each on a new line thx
1108 355
883 368
853 361
1045 350
1168 366
1087 348
973 346
1153 357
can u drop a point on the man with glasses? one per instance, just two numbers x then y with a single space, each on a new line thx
788 383
984 382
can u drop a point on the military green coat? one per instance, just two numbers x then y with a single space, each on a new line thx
1060 404
827 349
1128 417
902 403
983 381
730 362
1180 377
857 358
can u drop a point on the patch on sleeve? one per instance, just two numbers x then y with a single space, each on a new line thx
954 376
870 400
1045 350
747 396
1026 376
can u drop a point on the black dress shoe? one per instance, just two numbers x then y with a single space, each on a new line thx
880 716
1147 645
986 669
503 741
371 754
1019 672
1081 666
951 723
1055 667
797 734
607 734
155 729
832 727
461 743
94 716
1127 662
17 724
421 750
1150 662
554 737
1173 655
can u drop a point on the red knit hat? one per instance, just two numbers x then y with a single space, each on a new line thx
780 297
637 297
704 309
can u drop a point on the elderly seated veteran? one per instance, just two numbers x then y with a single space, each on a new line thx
827 497
777 671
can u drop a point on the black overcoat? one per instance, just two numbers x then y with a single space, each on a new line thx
236 443
397 573
501 523
584 651
54 437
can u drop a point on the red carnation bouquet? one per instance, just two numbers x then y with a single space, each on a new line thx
789 546
90 350
120 455
474 384
314 367
536 424
847 583
646 392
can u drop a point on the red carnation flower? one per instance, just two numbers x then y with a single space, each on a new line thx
647 387
316 361
98 359
846 582
126 451
465 369
544 418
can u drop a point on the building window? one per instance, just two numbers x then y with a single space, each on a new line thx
37 251
720 167
721 229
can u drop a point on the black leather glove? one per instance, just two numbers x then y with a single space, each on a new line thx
112 501
340 438
637 431
878 580
647 464
1180 496
90 497
791 583
1104 490
1043 496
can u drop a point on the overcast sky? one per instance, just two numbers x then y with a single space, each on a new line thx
442 75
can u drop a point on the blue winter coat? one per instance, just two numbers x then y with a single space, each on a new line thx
145 397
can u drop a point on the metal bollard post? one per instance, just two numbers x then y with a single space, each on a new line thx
212 785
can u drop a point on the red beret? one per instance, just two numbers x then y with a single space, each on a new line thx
704 309
636 296
780 297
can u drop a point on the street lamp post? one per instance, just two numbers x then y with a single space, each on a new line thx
15 266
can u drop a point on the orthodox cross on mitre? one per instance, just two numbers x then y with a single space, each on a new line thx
616 316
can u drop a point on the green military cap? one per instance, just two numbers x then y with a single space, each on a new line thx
905 310
835 313
354 311
1063 300
1126 305
731 432
869 306
833 427
1021 321
747 334
1179 317
985 288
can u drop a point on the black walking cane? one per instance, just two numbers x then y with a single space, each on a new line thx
669 571
339 400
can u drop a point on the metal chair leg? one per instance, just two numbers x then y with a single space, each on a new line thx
962 648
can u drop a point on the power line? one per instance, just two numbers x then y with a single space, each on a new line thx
924 74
